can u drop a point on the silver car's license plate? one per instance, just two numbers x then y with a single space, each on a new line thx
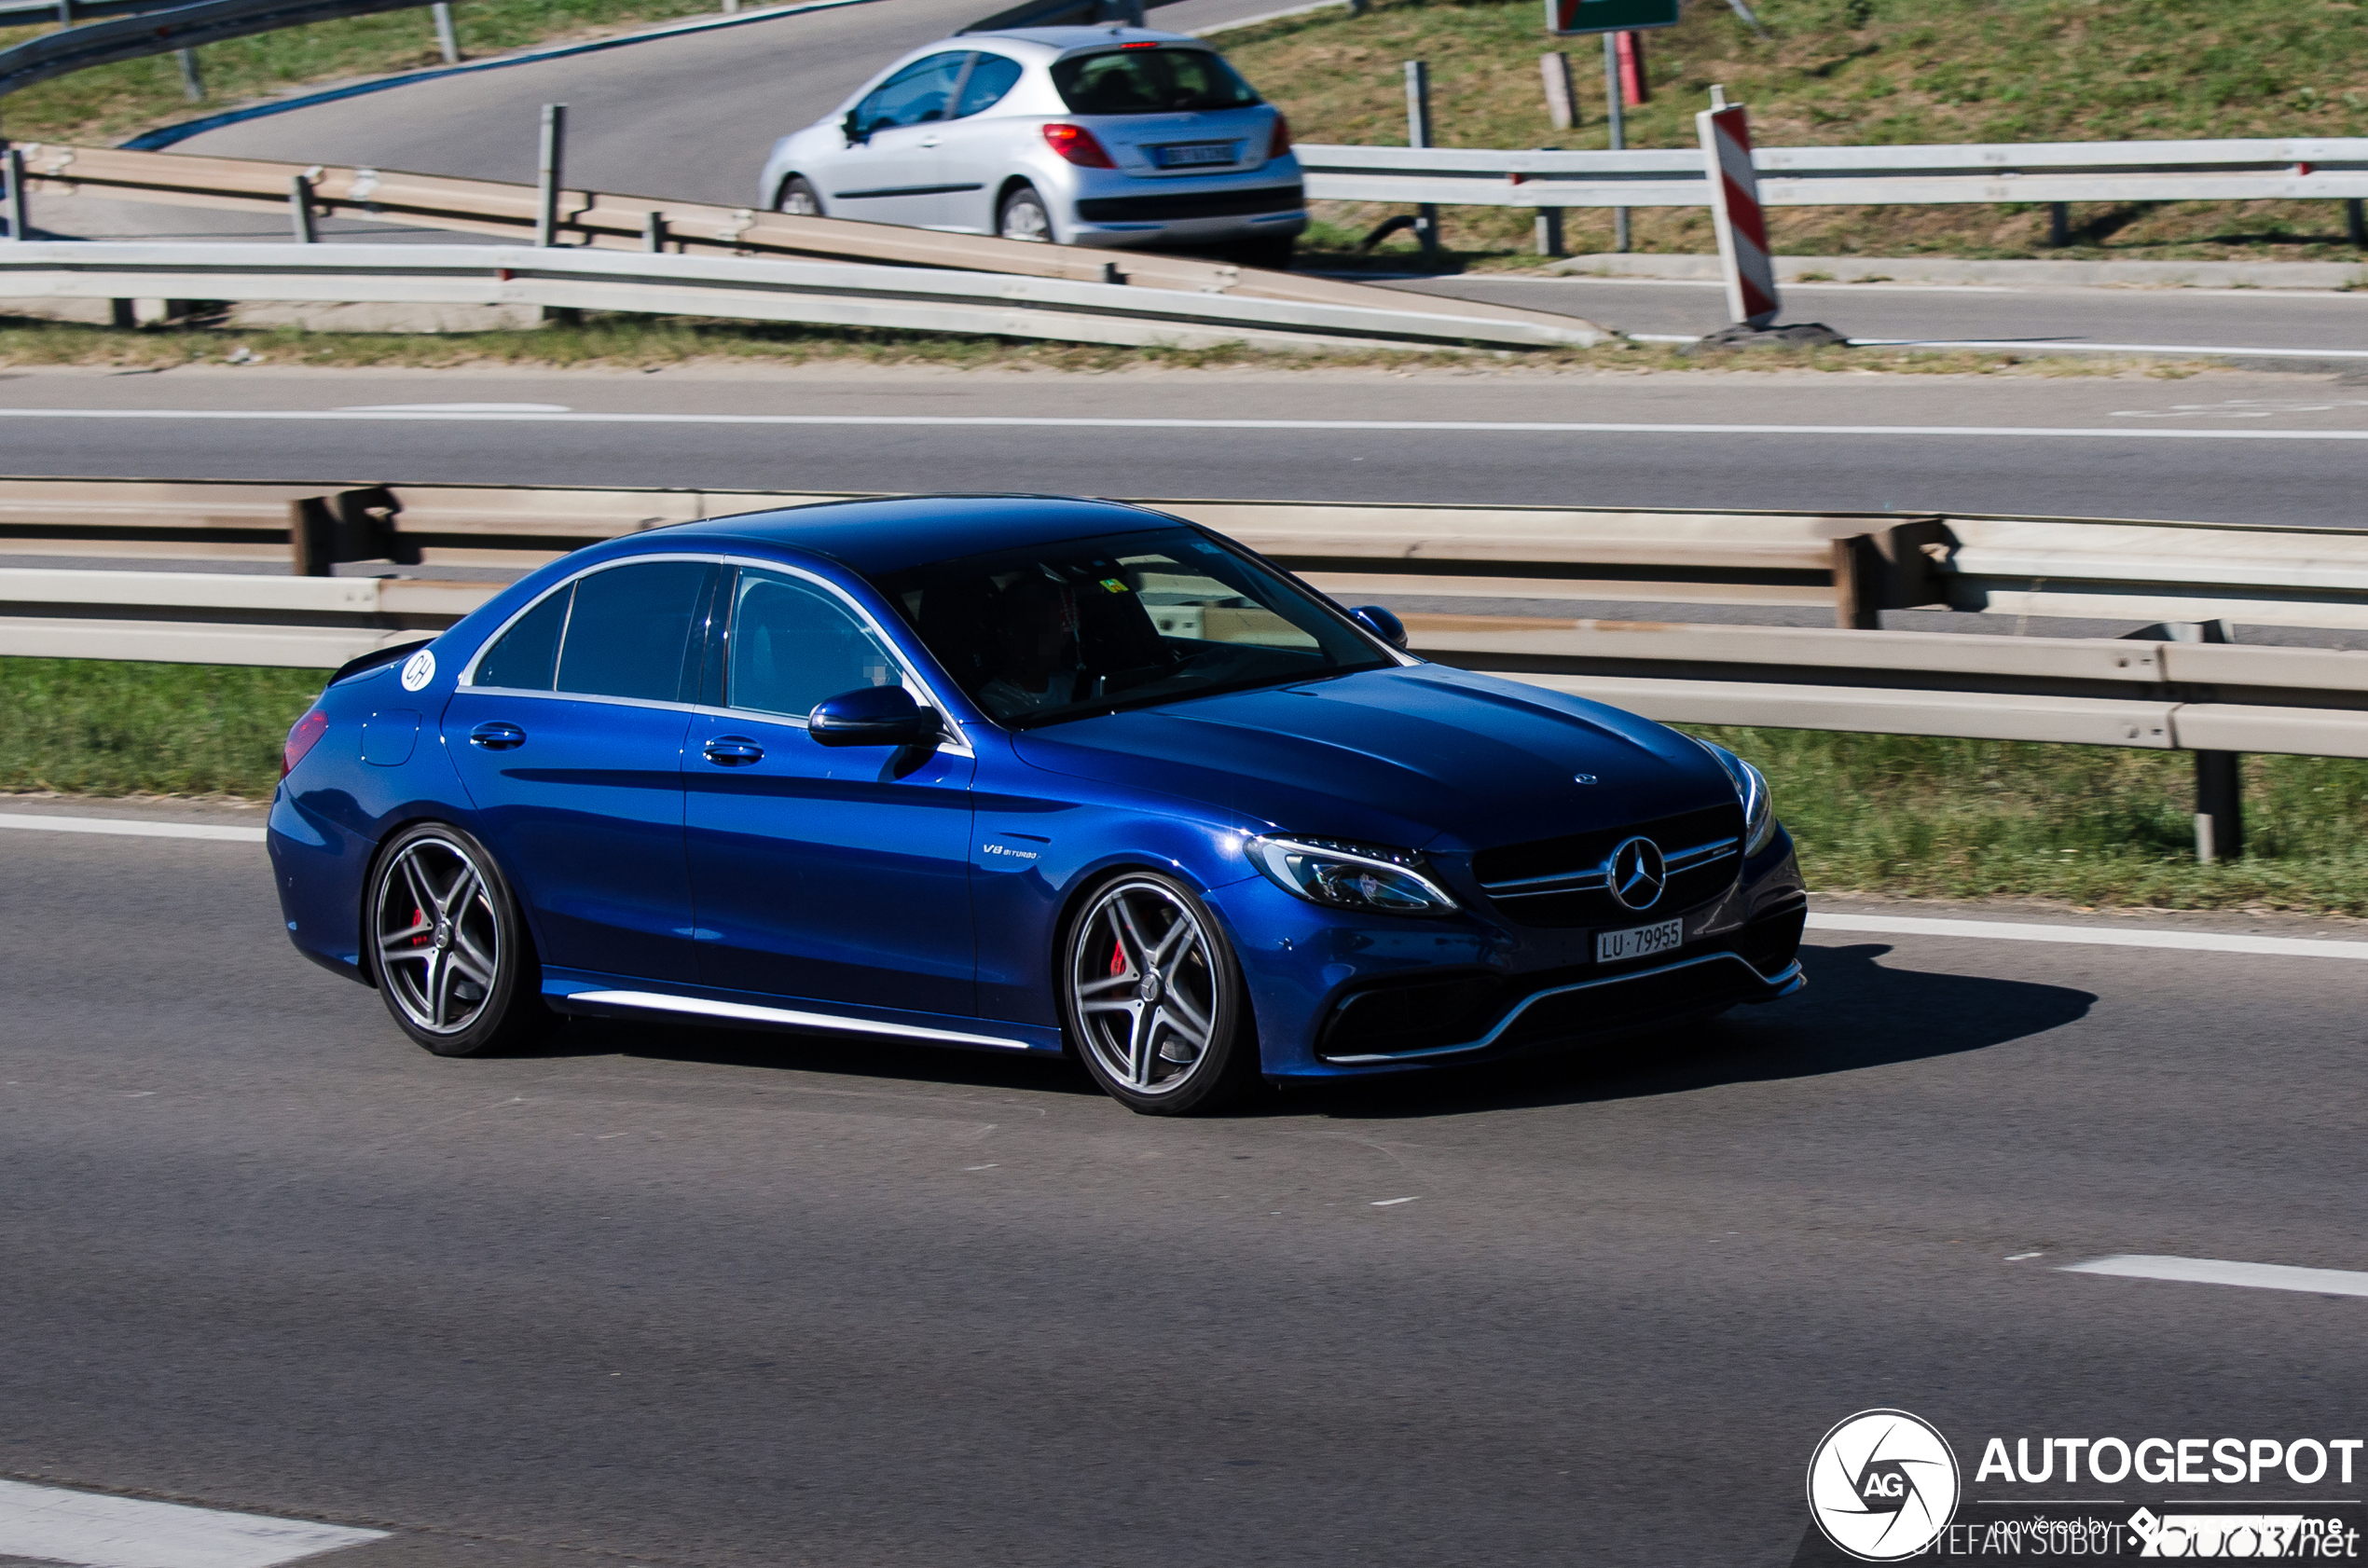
1185 155
1639 941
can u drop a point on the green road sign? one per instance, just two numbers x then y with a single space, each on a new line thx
1564 16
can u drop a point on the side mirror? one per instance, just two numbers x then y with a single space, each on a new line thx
1382 624
874 716
852 130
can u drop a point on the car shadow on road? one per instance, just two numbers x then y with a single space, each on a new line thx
1855 1013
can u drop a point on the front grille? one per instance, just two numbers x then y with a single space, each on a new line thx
1192 204
1556 883
1409 1018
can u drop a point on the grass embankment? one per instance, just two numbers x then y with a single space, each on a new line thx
1960 819
1857 71
622 342
110 103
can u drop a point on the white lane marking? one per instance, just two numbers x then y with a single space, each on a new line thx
1021 421
55 1525
2094 936
2052 345
454 408
2018 1257
127 828
988 1167
658 1001
2214 1270
1391 1203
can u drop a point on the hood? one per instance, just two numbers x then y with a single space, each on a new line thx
1419 757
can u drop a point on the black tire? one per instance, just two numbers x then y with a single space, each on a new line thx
1152 998
800 198
1273 252
443 938
1019 202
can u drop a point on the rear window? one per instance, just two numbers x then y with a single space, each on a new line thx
1150 82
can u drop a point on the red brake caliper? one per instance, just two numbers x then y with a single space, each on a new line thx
1118 959
419 917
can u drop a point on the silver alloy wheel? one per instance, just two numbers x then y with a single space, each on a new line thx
1024 218
1143 987
440 939
798 199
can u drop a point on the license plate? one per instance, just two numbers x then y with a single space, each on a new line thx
1639 941
1188 154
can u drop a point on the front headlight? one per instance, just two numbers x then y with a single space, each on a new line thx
1356 877
1751 788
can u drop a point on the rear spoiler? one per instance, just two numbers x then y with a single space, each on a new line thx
381 656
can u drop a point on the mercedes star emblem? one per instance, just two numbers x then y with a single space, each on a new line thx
1635 873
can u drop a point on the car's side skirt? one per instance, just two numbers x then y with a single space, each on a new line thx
575 995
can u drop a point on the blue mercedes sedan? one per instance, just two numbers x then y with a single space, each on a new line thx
1011 772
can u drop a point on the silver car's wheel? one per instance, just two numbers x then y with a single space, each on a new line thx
800 198
450 955
1023 217
1153 999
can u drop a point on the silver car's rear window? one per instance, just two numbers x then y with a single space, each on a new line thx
1130 80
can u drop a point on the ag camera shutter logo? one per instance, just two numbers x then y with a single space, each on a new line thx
1883 1485
418 671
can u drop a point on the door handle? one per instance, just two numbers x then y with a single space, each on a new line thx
497 736
733 751
929 141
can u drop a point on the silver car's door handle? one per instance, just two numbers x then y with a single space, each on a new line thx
929 141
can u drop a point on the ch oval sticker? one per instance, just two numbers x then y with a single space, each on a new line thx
419 670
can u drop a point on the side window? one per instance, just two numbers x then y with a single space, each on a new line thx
528 653
629 629
921 91
991 77
793 645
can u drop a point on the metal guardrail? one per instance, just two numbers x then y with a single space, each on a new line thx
1854 565
923 299
606 221
179 27
2085 690
2305 168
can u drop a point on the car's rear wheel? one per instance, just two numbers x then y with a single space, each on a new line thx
452 955
800 198
1154 1001
1272 252
1024 216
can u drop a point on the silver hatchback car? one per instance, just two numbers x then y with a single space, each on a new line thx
1109 136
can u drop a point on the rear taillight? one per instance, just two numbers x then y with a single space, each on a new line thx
1280 141
302 736
1076 144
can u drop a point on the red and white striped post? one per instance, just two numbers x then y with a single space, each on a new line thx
1734 208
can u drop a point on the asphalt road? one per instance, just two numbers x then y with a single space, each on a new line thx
2233 447
2295 319
707 1297
690 116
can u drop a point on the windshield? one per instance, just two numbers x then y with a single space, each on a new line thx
1141 81
1060 631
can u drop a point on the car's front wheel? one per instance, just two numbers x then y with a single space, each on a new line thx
1024 216
799 198
1154 1001
452 956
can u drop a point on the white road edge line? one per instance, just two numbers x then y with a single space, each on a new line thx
56 1525
2214 1270
2092 936
126 827
1022 422
2047 345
